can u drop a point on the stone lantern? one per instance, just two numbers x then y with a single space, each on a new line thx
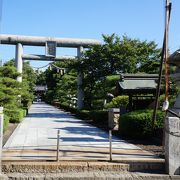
172 125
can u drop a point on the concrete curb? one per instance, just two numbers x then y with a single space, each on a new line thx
61 167
79 166
92 176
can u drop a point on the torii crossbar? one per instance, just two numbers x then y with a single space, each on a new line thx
41 41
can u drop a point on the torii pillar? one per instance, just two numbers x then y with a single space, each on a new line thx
19 60
80 92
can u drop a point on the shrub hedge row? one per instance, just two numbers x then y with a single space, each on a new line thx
138 124
117 102
6 122
99 117
15 115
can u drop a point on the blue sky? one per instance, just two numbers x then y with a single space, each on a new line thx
143 19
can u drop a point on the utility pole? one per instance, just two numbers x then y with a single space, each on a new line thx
166 47
164 57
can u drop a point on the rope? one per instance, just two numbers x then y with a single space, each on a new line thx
57 67
41 66
50 64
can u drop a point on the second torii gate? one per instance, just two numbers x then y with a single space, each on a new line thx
21 41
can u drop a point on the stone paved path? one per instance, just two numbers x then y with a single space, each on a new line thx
35 138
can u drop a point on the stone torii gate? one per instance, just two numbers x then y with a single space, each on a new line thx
20 41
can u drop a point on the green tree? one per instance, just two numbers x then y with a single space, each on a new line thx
116 55
9 87
61 86
26 89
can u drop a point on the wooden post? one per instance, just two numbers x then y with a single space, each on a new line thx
110 145
1 134
58 136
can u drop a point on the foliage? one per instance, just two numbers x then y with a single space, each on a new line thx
8 71
6 122
97 117
15 115
172 99
117 102
26 88
100 117
125 55
137 124
66 88
99 66
15 97
61 87
111 80
9 87
41 78
28 84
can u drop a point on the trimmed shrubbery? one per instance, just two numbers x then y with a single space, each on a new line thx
15 97
138 124
15 115
83 114
6 122
98 117
117 102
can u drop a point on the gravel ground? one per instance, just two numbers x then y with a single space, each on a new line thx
9 131
151 145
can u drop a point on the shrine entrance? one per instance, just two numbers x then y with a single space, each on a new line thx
50 44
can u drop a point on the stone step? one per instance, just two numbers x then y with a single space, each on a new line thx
99 175
80 166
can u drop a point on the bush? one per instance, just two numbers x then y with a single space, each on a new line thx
66 107
111 80
15 115
26 99
25 111
137 124
6 122
100 118
117 102
83 114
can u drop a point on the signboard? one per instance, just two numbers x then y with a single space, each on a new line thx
51 48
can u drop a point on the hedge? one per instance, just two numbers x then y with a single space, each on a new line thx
83 114
117 102
99 117
6 122
138 124
15 115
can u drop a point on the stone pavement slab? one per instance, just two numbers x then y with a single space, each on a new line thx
35 138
